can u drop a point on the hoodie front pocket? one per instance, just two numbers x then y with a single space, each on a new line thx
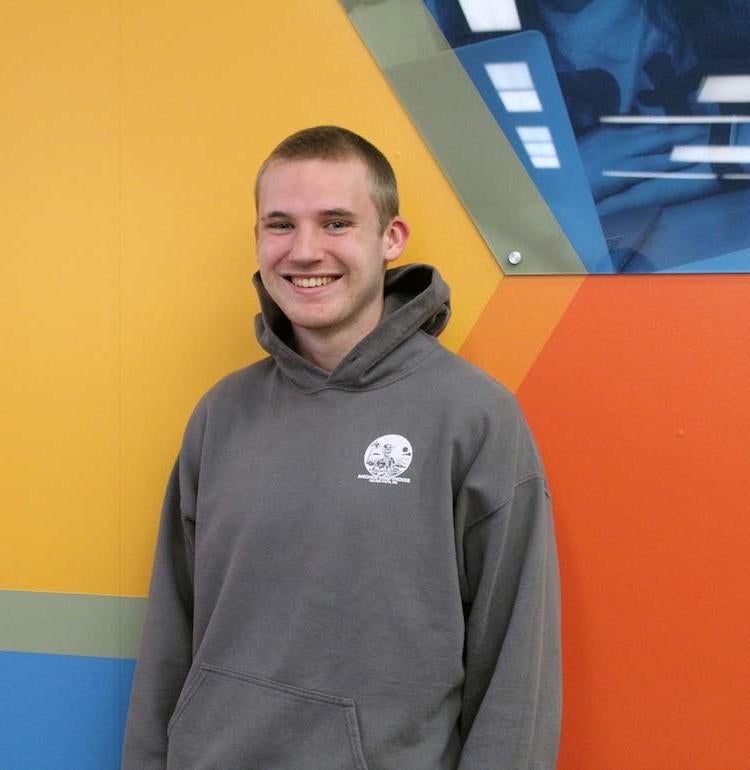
228 720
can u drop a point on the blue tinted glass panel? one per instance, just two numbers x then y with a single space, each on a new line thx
631 117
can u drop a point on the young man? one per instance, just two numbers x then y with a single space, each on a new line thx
356 564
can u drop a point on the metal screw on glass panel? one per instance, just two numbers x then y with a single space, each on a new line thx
515 257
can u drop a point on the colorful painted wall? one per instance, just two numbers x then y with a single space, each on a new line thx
130 135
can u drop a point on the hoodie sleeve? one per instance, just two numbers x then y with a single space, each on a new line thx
166 644
512 692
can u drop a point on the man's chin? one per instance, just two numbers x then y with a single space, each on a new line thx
310 322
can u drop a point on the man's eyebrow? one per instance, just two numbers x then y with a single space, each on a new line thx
337 213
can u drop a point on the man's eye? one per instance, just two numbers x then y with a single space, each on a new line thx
337 224
279 225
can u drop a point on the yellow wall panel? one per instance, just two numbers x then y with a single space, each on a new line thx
132 133
59 298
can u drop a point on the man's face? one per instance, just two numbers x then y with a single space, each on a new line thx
319 245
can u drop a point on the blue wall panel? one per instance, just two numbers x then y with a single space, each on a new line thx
62 712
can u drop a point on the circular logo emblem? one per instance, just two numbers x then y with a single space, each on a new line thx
388 456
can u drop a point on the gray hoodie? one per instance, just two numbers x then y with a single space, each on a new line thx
354 570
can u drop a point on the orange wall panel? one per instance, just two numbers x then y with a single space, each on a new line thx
641 405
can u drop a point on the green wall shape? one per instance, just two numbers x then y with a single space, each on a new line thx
71 624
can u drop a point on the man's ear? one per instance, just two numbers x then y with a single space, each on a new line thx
394 238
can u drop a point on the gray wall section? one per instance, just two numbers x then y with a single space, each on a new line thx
71 624
468 144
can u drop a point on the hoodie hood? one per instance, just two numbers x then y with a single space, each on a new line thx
415 299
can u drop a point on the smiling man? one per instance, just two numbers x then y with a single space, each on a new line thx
322 245
356 563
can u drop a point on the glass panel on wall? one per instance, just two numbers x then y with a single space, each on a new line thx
630 117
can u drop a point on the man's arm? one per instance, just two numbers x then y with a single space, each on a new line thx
512 692
166 645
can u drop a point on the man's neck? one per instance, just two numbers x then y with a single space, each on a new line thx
320 353
327 348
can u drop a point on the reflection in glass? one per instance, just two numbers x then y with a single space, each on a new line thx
725 88
491 15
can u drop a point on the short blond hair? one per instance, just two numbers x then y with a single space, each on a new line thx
336 143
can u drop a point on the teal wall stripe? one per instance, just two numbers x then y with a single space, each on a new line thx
71 624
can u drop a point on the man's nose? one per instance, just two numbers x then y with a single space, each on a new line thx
306 245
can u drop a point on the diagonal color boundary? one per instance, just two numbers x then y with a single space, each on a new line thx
71 624
517 323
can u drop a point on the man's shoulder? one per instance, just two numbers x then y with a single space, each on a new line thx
471 385
488 418
232 390
237 382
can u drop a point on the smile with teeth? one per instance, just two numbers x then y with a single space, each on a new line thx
311 281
